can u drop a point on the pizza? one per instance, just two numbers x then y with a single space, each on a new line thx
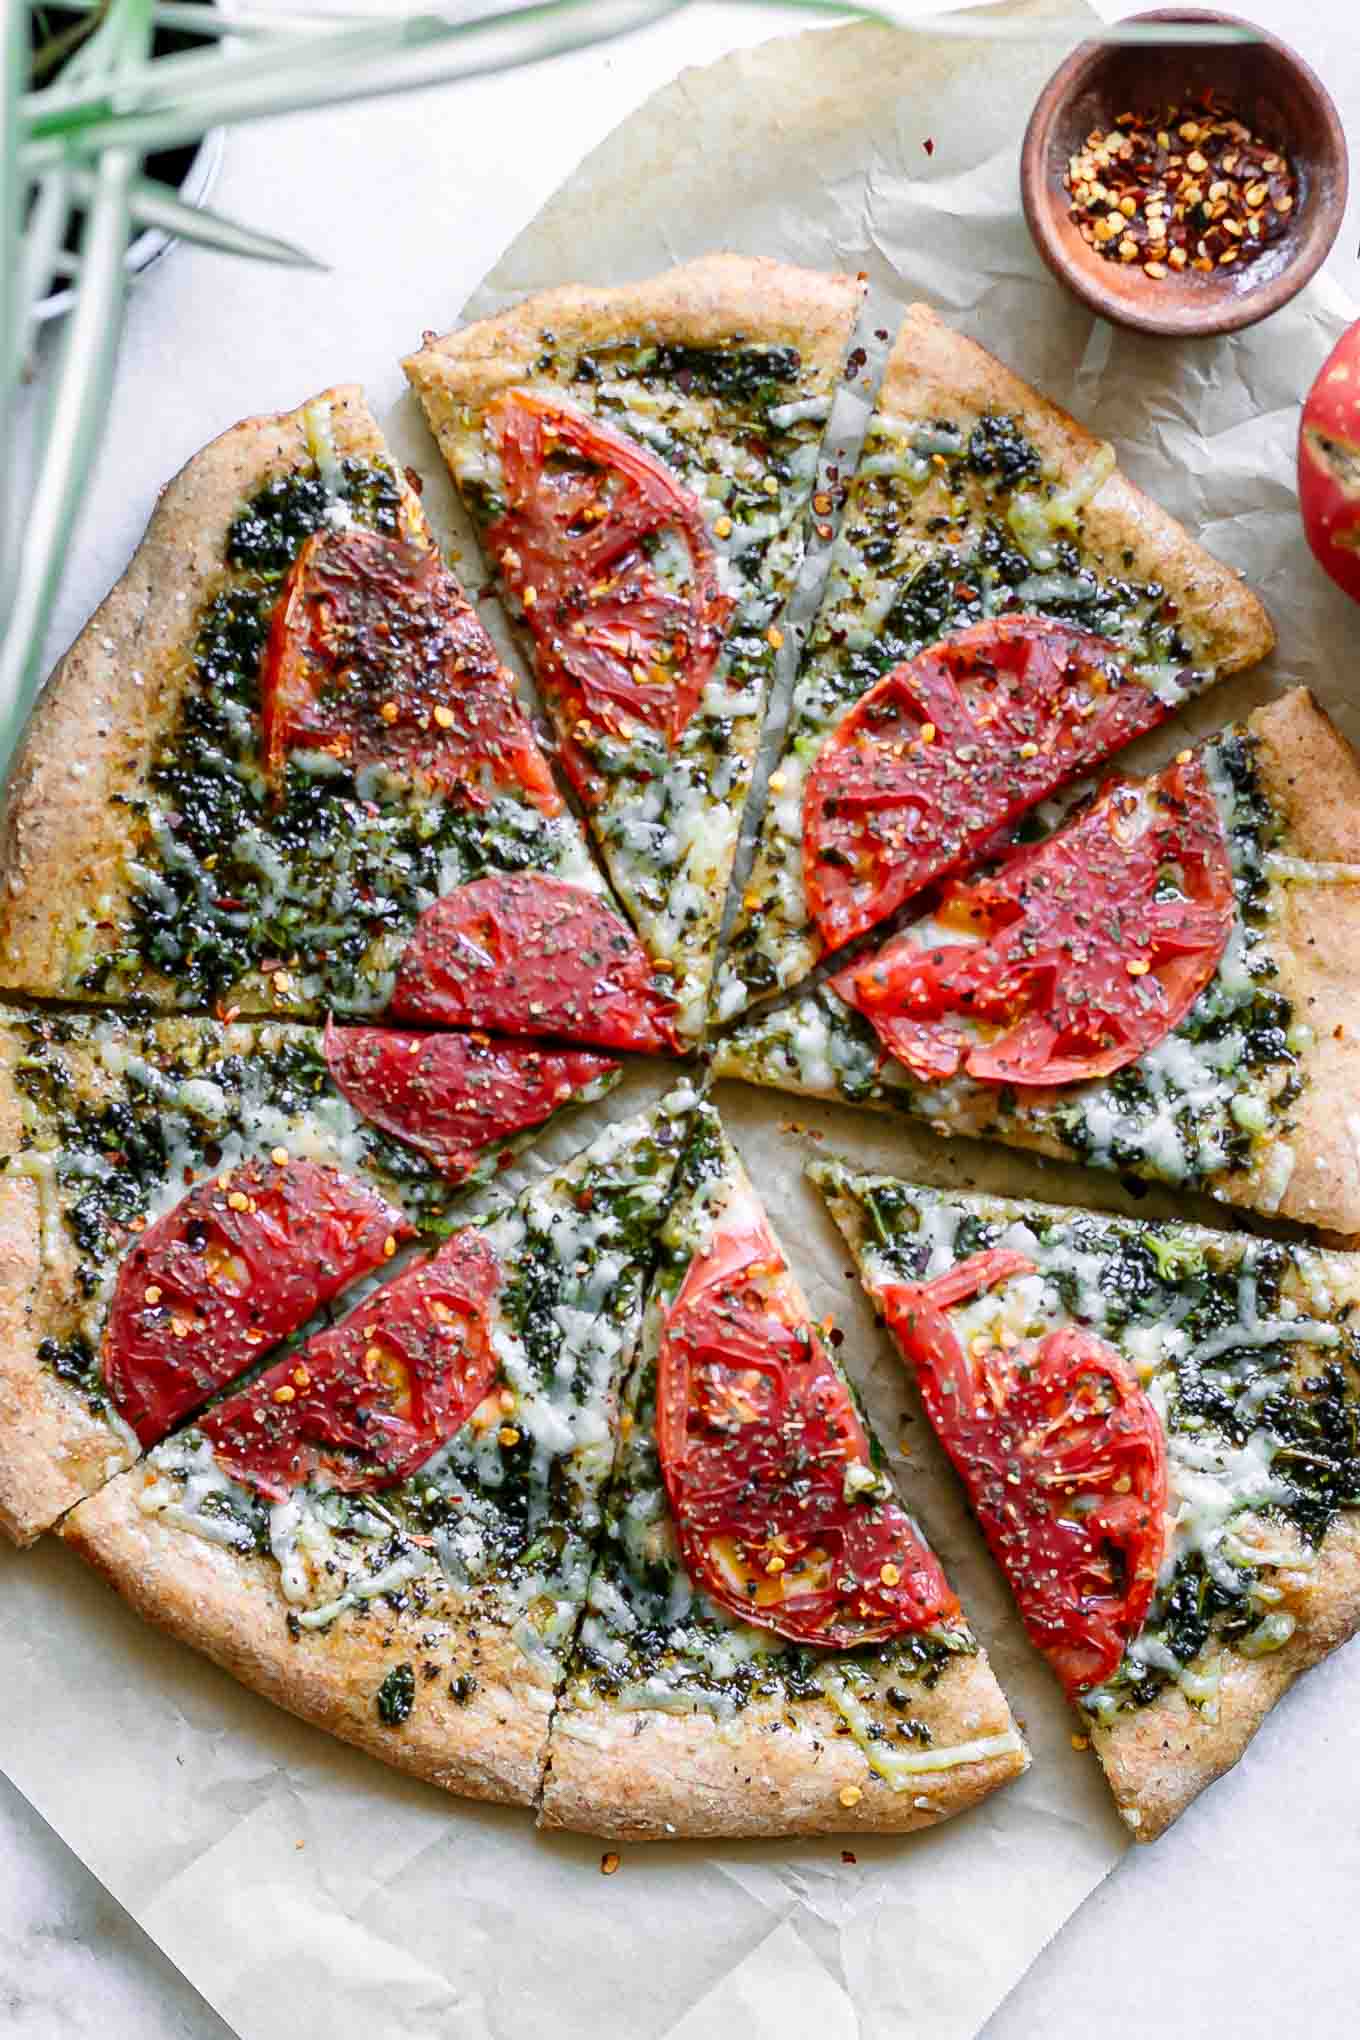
303 743
1003 610
126 1140
639 462
388 1530
769 1642
1165 985
1156 1428
563 1498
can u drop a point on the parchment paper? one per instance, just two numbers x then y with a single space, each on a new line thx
303 1889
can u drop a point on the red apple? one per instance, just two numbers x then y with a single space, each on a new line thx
1329 464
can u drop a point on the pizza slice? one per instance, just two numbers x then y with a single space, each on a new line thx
770 1646
283 740
388 1530
174 1192
1156 1426
639 462
1003 610
1166 985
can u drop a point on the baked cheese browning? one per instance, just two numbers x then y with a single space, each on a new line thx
679 1718
105 1125
974 498
639 462
196 859
1249 1095
336 1602
1248 1352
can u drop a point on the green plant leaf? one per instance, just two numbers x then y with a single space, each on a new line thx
153 204
419 51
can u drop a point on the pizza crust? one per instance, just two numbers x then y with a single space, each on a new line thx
644 1775
232 1609
1311 776
705 303
53 1448
934 372
64 890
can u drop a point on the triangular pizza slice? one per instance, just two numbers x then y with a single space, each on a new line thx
1166 985
639 462
770 1646
280 746
389 1529
1156 1426
1003 610
174 1191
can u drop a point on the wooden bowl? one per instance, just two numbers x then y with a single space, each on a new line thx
1265 85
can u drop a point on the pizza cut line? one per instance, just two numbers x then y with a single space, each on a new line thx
1155 1425
572 1504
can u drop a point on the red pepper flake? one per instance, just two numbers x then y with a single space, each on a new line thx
929 146
1180 189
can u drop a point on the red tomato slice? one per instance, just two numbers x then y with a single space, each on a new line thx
451 1096
377 656
616 643
243 1260
366 1402
947 749
762 1448
1064 1460
1092 945
533 955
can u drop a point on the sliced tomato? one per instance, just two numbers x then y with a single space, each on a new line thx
1064 1460
376 656
241 1261
533 955
950 747
1076 956
366 1402
588 514
779 1513
452 1096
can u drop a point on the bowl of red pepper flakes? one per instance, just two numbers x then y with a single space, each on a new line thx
1185 188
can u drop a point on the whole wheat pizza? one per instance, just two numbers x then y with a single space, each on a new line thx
566 1499
1165 985
303 743
769 1642
639 463
1156 1427
1003 610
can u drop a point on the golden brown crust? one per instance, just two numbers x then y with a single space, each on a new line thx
232 1609
643 1775
53 1448
1311 777
700 304
934 372
1160 1757
90 741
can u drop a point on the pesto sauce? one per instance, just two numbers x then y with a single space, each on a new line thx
323 883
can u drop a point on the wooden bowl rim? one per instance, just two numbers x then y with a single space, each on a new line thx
1202 316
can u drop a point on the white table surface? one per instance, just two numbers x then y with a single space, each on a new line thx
1237 1922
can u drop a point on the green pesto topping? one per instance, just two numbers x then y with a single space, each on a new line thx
1251 1366
324 881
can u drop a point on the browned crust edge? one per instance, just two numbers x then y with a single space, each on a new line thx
702 303
934 371
232 1609
92 732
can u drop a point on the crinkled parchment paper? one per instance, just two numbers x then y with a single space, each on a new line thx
304 1890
